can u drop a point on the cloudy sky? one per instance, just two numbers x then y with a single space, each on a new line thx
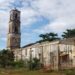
37 16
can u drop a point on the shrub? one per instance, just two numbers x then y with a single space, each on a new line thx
34 64
69 72
6 58
17 64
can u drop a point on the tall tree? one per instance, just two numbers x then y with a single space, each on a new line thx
69 33
53 35
43 36
49 36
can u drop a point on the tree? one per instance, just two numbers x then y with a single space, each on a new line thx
43 36
53 36
69 33
6 58
48 36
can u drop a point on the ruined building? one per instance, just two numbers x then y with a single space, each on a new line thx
58 54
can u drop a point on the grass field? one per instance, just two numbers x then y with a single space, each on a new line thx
25 72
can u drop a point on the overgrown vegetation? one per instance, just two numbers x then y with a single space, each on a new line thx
23 71
18 64
6 58
7 61
69 33
68 71
54 36
34 64
48 36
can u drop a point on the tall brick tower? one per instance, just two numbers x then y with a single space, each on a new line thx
14 35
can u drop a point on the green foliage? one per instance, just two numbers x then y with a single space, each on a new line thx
48 37
34 64
23 71
6 58
69 33
18 64
69 72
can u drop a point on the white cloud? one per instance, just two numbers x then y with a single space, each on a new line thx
28 16
3 23
57 27
4 4
62 12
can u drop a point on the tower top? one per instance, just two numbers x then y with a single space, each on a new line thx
15 9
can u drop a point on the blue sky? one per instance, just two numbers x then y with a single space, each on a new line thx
37 16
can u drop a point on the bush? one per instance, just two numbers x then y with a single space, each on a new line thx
6 58
18 64
34 64
69 72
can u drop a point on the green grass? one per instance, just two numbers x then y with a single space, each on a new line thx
26 72
69 72
23 71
